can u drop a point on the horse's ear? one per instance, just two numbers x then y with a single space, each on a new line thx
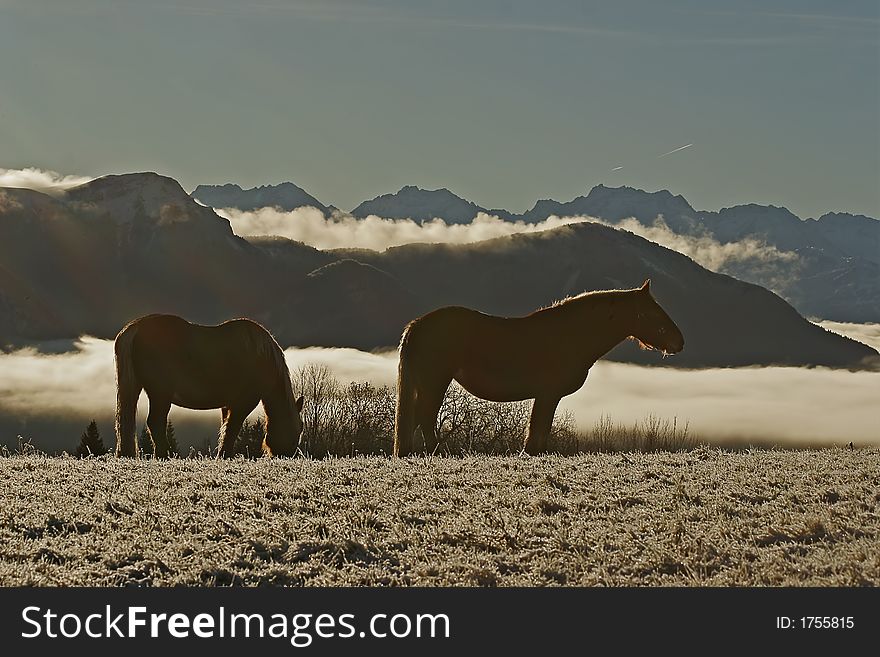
299 403
646 286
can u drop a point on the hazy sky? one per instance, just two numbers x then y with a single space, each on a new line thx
502 102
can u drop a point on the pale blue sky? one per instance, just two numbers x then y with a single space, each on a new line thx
501 102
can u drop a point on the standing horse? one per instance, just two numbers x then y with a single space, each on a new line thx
233 367
542 356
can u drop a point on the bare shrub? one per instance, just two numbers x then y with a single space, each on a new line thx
320 390
662 435
343 420
470 425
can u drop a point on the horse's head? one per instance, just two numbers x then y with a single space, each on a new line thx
282 438
653 328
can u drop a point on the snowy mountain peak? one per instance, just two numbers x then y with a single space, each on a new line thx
148 185
146 199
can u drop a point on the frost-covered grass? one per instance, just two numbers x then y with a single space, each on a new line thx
704 517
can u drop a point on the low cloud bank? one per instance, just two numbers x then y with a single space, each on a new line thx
348 365
310 226
41 180
705 250
342 230
764 405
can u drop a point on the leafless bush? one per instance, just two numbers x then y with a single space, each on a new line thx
469 425
564 435
343 420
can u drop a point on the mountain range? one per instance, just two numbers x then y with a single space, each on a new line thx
123 246
285 196
828 267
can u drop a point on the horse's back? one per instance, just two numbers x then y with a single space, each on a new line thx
162 333
457 326
155 324
446 325
168 329
453 334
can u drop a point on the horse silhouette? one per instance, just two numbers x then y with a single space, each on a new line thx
542 356
232 366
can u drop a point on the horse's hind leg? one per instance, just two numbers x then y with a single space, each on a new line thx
428 404
540 424
157 423
126 417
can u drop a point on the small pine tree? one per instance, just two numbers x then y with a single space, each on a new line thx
173 449
90 443
249 442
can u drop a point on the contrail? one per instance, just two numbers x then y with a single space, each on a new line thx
680 148
616 168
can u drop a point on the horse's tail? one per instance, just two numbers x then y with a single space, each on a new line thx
404 416
128 389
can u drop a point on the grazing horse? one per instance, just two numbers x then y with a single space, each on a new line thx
542 356
233 367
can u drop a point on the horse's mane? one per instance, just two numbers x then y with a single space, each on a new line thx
262 344
592 295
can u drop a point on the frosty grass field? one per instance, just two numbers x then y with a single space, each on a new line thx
704 517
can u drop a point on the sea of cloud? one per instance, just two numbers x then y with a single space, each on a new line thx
763 405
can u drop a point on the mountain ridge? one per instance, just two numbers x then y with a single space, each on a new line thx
541 210
285 196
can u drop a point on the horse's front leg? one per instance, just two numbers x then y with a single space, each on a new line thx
540 424
229 430
157 423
